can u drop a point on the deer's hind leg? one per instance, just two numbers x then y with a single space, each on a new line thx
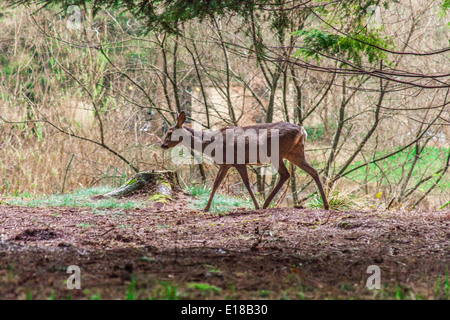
298 158
242 169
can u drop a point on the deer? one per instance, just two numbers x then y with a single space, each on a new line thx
238 147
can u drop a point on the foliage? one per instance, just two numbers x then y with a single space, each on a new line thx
394 167
180 53
341 198
131 293
161 15
446 6
353 46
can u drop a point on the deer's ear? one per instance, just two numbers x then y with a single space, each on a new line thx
181 119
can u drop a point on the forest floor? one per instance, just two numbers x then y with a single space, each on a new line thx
168 251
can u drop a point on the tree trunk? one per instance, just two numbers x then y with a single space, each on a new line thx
159 185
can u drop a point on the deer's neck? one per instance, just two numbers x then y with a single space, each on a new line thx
198 140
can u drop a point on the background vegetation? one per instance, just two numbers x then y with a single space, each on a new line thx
88 88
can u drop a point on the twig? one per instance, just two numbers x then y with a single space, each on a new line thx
67 170
107 231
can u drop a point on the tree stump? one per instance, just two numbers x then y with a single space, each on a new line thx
158 185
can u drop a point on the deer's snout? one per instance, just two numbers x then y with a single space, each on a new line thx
165 146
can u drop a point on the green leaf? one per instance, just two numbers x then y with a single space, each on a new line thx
354 47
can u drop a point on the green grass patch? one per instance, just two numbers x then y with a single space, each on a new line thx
315 133
394 169
79 198
221 203
205 287
166 291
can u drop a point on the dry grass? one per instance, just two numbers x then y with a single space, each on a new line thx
34 157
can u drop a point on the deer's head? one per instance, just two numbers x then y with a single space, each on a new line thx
167 140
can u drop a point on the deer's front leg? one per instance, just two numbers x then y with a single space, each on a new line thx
284 176
242 169
220 175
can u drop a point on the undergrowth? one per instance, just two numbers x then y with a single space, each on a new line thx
221 203
79 198
340 198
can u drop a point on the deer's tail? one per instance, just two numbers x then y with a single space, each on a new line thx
304 134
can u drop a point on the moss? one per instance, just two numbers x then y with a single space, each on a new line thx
132 181
167 184
159 197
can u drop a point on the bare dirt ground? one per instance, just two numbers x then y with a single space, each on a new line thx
167 251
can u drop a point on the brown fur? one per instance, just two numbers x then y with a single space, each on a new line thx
291 147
